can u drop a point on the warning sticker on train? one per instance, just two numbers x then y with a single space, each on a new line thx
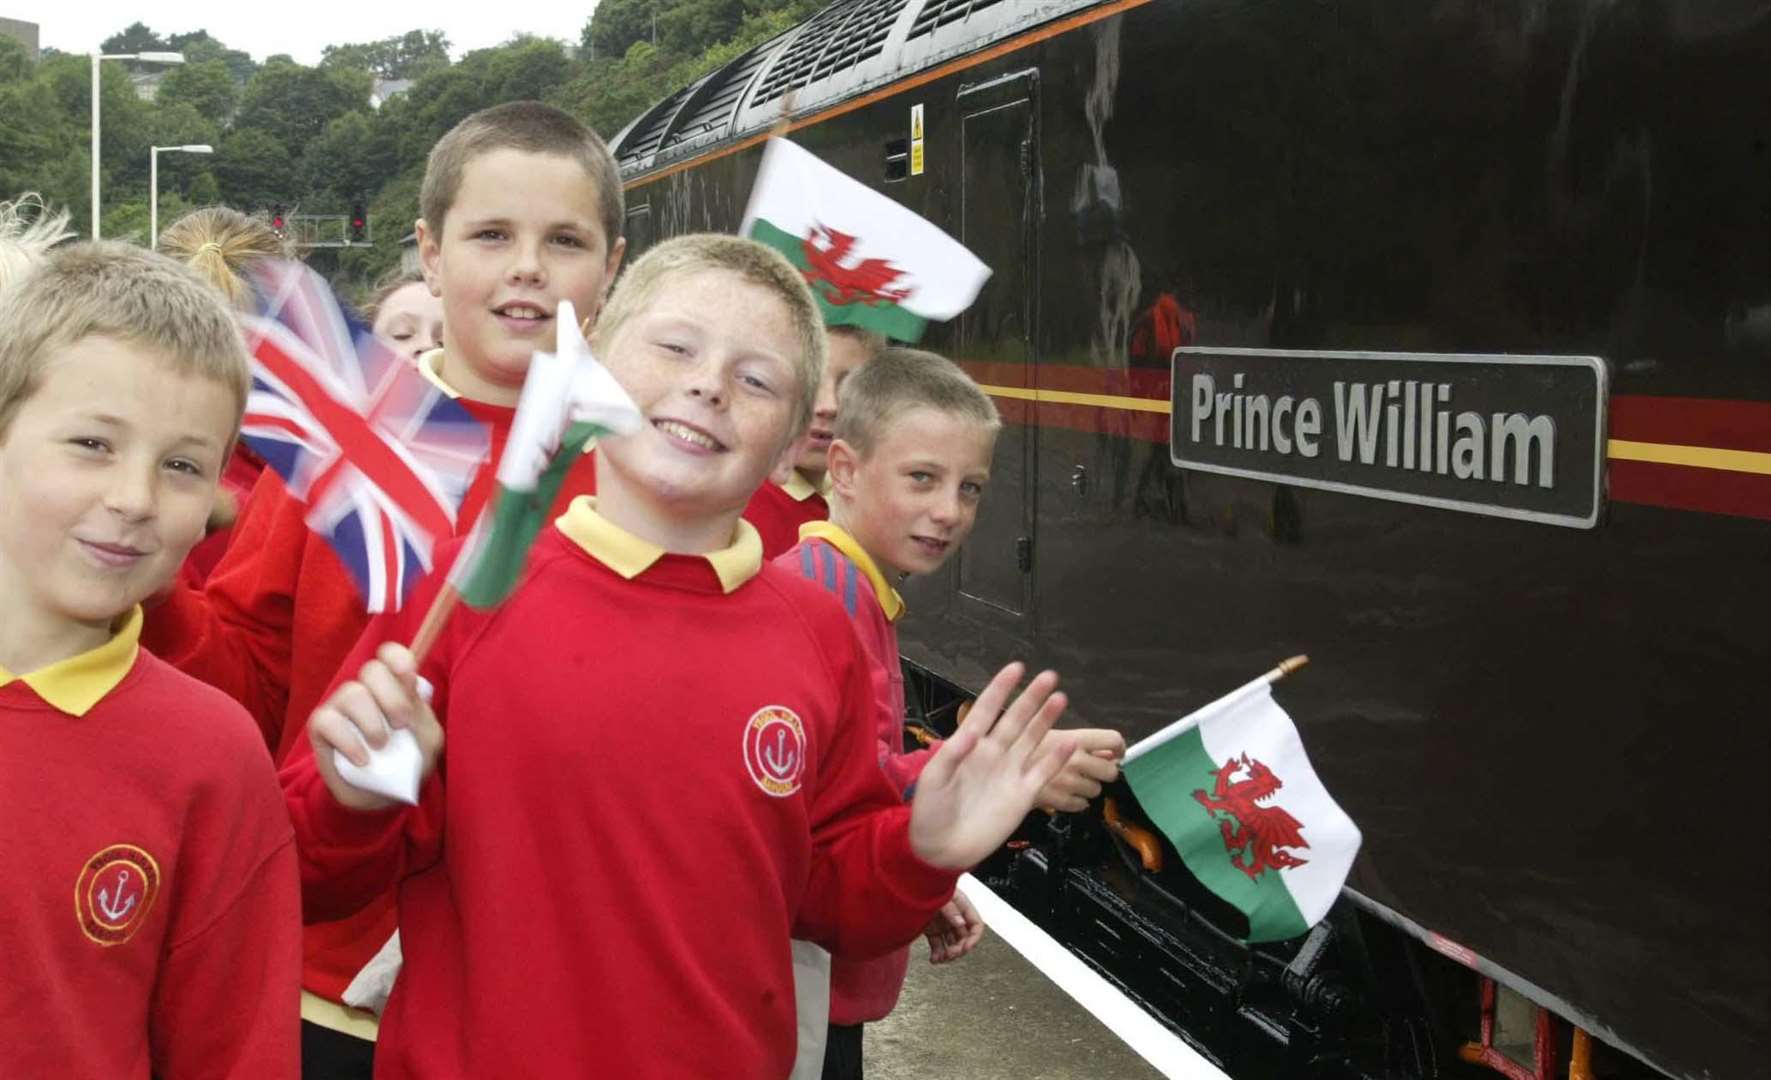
1512 436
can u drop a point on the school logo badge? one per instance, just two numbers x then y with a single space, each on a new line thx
115 892
775 750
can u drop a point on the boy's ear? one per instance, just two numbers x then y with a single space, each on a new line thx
430 252
844 462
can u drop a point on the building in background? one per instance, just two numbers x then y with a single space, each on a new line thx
25 33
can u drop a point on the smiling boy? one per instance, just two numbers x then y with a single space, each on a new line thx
908 469
659 755
143 793
522 209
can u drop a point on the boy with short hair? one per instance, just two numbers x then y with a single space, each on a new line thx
139 790
522 208
908 468
799 490
660 761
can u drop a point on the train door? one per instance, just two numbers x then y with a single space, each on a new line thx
998 205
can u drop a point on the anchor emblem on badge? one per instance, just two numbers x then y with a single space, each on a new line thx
775 750
116 890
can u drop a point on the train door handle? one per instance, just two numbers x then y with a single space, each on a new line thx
1079 480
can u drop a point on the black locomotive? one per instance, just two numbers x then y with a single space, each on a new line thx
1539 647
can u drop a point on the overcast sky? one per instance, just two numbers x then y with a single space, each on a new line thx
304 27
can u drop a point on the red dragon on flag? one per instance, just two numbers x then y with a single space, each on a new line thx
1262 830
865 282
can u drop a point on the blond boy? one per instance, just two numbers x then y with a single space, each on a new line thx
908 467
522 209
659 756
145 795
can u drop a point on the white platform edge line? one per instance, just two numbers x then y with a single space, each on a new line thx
1123 1017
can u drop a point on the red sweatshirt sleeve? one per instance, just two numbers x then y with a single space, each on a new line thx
247 962
867 892
349 858
226 998
235 633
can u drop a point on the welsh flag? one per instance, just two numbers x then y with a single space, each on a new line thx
870 262
568 399
1231 788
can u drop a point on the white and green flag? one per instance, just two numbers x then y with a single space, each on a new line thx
568 400
1231 788
870 261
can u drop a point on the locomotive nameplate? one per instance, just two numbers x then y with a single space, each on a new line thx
1512 436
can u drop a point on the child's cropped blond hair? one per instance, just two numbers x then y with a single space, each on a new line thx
221 244
114 290
533 128
28 229
901 379
872 342
756 264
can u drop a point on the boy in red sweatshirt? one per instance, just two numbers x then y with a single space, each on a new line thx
908 468
522 209
799 491
144 794
660 760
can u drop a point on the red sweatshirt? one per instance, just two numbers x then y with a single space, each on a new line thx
658 769
865 990
147 797
778 510
272 628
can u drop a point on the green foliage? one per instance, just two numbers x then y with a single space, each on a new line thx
135 38
293 104
403 56
199 48
254 170
305 137
207 86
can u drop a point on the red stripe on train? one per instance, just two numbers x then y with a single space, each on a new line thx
1709 422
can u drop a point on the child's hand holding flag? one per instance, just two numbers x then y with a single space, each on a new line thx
568 399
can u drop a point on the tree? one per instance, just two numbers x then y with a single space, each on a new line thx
206 86
403 56
198 48
346 163
135 38
253 170
15 62
293 104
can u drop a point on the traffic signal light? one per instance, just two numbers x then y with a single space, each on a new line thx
277 220
359 224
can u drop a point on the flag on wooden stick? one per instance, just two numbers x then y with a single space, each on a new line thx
1232 789
569 399
381 457
870 261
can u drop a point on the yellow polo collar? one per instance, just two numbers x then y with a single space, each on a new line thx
78 683
630 556
838 537
430 365
800 489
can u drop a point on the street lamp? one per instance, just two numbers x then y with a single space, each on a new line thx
145 57
154 153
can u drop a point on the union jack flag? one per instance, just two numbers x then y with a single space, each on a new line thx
380 455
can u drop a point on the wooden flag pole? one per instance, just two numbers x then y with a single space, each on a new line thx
434 621
1286 667
1144 746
